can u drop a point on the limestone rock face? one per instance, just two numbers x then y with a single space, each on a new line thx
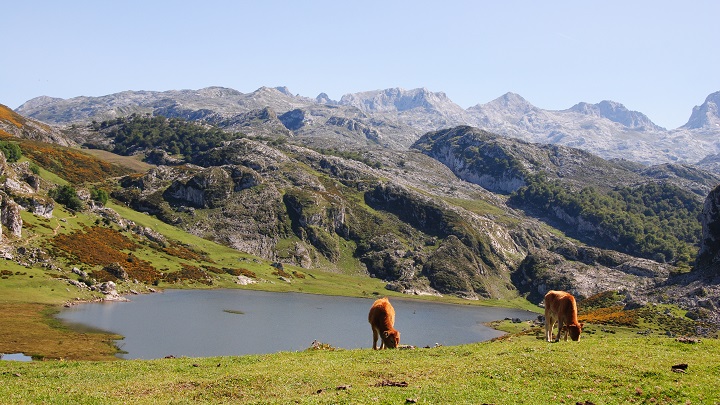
10 217
204 190
706 115
709 255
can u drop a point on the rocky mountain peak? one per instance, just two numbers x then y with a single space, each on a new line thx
38 102
284 90
509 103
323 98
616 112
706 115
398 100
267 90
218 92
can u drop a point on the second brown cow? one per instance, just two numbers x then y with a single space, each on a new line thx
560 307
382 321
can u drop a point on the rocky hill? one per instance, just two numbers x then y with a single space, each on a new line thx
13 124
396 118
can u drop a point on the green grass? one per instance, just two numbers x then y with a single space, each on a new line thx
133 163
601 368
48 175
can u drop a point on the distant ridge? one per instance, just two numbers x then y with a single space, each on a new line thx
396 118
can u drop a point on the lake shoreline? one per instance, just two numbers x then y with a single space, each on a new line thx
360 318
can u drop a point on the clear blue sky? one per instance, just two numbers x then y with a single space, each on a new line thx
657 57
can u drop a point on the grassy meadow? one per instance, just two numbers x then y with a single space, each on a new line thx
602 368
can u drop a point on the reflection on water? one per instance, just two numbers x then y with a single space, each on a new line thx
203 323
15 357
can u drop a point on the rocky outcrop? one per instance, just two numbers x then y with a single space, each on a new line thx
242 212
388 258
206 189
709 254
10 217
503 165
455 269
255 155
586 271
474 254
355 126
162 158
117 271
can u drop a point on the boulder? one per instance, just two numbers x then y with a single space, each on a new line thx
10 216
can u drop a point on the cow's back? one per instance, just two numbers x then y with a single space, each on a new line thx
561 304
382 314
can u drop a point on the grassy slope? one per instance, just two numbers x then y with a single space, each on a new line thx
602 368
133 163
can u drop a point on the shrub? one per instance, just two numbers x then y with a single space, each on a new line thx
98 246
67 196
11 151
34 168
99 195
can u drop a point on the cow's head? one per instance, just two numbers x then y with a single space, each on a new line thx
575 331
391 339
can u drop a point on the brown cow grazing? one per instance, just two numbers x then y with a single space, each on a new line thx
560 307
382 319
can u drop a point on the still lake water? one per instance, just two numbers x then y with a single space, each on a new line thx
204 323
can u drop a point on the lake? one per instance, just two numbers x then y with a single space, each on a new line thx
204 323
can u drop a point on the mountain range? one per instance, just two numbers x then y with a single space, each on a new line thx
396 118
499 200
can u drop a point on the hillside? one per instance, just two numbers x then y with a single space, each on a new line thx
13 124
380 212
602 203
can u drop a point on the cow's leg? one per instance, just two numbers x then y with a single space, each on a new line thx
548 329
549 325
376 335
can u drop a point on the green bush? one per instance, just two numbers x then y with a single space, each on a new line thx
67 196
34 168
99 195
11 151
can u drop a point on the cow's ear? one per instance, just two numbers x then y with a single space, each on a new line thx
582 325
386 333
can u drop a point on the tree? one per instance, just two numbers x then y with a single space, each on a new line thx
67 196
99 195
11 151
